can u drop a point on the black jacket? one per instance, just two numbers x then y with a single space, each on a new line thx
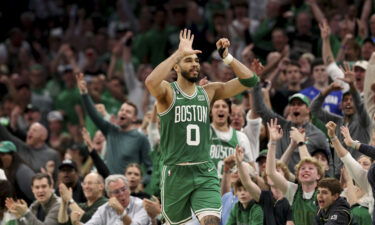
337 214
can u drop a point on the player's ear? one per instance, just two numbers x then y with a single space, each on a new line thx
176 68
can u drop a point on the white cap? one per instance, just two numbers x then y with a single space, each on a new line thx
54 115
361 64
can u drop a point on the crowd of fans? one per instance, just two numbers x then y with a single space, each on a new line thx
79 131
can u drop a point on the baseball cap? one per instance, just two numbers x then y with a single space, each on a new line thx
68 163
262 154
54 115
361 64
301 97
321 150
7 146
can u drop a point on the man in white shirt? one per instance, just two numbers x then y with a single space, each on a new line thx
121 209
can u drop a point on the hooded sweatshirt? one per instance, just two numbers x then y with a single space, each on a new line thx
338 213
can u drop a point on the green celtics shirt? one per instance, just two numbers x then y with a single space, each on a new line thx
304 210
220 149
185 127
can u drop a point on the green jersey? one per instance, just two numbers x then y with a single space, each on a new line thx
220 149
304 210
185 127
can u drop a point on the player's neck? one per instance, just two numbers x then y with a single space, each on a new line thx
186 86
221 127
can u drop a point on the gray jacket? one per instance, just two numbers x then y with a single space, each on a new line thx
316 138
51 209
359 124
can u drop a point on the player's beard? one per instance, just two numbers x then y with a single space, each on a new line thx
185 74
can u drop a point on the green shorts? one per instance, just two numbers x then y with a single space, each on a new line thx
189 188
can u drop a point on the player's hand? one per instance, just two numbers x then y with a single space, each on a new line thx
186 43
223 43
81 83
331 129
275 131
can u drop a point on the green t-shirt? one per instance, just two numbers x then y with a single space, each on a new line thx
251 215
221 149
361 215
185 127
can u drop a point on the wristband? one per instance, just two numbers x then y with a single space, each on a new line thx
272 142
228 60
354 145
333 138
71 201
301 143
249 82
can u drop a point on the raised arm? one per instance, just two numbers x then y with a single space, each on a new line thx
155 81
325 33
276 133
369 94
98 161
88 104
364 118
317 12
317 103
300 139
331 130
244 175
245 77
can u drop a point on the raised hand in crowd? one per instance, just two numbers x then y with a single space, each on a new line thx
349 74
325 30
81 83
348 140
275 131
331 129
87 139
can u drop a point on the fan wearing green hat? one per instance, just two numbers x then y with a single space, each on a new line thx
298 116
16 171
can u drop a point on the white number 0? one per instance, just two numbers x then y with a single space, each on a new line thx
189 140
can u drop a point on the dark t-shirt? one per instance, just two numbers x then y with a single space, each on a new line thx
275 212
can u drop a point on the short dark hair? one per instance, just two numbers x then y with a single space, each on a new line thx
238 184
134 106
40 176
332 184
294 63
316 62
136 165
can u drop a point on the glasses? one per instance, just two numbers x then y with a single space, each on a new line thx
119 191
